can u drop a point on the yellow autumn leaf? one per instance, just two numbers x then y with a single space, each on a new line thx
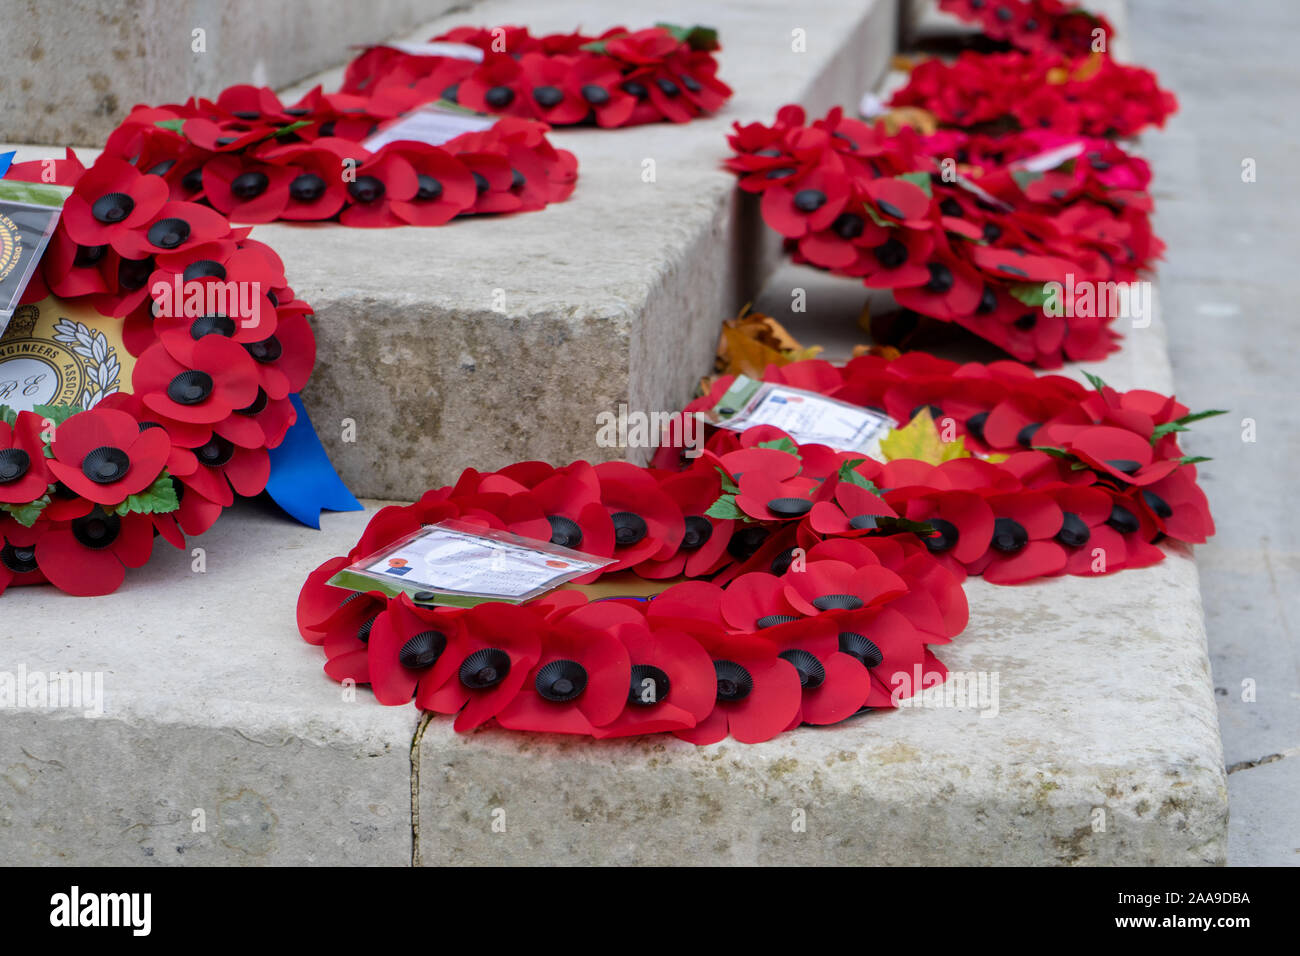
887 352
864 317
923 121
753 341
1089 68
919 439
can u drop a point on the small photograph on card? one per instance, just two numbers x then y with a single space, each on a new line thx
461 564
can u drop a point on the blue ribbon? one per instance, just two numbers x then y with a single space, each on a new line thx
303 482
5 160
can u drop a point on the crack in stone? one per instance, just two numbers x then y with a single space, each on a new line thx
415 788
1260 761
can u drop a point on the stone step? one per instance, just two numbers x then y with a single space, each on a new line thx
221 741
921 23
215 714
1098 744
498 339
63 85
1104 748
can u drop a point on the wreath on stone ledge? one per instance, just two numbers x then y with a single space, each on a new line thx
97 461
764 583
354 156
994 196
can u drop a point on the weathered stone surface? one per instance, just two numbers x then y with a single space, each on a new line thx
1101 745
1229 277
212 703
497 339
1103 750
74 68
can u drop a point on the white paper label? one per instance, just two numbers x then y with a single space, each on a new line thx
1050 159
812 419
871 106
428 125
458 51
446 560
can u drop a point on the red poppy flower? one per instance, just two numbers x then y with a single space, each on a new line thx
935 603
953 289
1177 505
808 203
834 685
346 637
89 555
445 186
317 190
672 684
689 606
405 643
647 522
202 384
887 646
646 47
580 682
570 499
103 455
23 472
892 258
18 564
696 73
520 514
494 182
284 360
1134 519
833 587
246 190
599 82
1091 545
755 601
1120 454
497 86
854 511
767 496
383 179
549 95
176 227
72 271
901 200
223 465
757 693
703 547
496 651
1023 546
962 523
109 201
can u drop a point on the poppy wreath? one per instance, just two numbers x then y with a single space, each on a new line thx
1034 25
619 78
84 491
978 249
747 637
1042 475
253 159
801 584
1093 95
